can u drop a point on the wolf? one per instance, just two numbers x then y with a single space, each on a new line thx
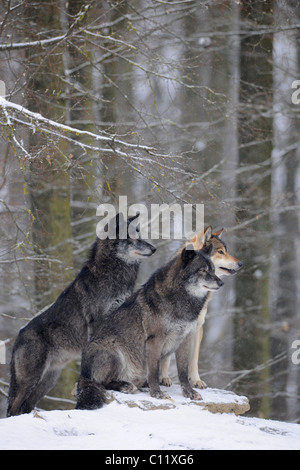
55 337
225 265
128 346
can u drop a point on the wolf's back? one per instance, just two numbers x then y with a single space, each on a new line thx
90 395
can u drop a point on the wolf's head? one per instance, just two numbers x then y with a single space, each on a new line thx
127 243
224 263
198 271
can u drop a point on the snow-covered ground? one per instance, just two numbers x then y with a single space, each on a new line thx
119 426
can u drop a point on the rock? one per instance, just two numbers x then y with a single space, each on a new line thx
223 401
213 400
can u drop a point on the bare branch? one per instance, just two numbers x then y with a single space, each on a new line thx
26 45
38 118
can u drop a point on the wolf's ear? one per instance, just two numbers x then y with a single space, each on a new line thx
119 218
120 227
187 255
112 227
219 233
207 234
202 237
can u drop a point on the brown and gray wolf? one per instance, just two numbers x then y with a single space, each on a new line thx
225 265
53 338
128 346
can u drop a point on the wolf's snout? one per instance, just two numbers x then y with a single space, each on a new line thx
147 250
153 249
240 264
220 283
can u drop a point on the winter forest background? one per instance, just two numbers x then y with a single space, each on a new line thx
165 101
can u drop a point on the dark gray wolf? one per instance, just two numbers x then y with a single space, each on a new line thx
53 338
127 347
225 265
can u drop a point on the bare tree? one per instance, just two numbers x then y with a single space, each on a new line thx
162 101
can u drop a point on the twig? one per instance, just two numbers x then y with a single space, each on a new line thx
4 104
280 357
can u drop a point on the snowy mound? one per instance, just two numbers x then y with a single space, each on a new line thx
213 400
134 422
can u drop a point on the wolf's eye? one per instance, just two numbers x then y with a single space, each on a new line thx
221 252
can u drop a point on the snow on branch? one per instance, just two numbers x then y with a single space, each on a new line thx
25 45
38 119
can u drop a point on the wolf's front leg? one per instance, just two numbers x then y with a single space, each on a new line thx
154 349
194 378
182 359
164 378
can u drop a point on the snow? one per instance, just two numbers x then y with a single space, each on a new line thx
5 105
24 45
124 424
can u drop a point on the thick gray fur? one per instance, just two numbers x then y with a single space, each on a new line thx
55 337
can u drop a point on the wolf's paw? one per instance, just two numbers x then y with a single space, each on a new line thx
128 388
166 381
192 394
197 383
160 395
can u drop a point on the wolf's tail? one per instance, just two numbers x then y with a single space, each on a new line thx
90 395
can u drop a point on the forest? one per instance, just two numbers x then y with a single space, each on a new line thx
162 101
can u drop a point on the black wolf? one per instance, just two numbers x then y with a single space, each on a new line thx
225 265
53 338
128 346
